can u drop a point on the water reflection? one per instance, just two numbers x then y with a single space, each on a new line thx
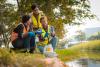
84 62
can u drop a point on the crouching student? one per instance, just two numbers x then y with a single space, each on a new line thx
21 37
47 36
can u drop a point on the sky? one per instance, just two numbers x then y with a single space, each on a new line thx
95 9
12 1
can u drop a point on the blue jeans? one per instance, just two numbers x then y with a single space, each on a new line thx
41 48
53 41
27 43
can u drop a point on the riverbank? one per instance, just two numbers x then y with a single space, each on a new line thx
82 50
85 50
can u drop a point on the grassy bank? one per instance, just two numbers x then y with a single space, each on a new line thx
8 59
89 46
67 54
87 49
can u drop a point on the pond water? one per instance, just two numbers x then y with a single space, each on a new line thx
84 62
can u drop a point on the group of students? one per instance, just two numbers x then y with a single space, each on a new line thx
31 27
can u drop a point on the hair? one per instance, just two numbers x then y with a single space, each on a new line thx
25 18
34 6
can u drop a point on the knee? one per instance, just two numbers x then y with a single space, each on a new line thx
40 49
31 34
